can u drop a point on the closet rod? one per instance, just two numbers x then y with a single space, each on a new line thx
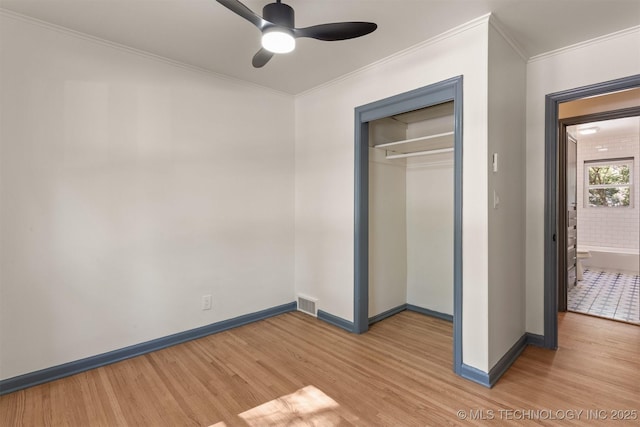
406 141
419 153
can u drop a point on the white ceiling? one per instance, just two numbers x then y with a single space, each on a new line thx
204 34
608 128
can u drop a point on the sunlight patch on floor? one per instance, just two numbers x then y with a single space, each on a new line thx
308 406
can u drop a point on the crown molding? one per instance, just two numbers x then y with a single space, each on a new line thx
586 43
137 52
484 19
497 25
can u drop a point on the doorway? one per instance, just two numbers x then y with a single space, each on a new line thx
603 245
555 246
448 91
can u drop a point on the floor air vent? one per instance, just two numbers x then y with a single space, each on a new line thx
308 305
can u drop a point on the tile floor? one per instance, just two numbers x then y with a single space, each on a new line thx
606 294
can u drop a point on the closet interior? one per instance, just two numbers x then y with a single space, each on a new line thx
411 210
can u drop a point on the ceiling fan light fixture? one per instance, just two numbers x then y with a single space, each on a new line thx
278 40
279 32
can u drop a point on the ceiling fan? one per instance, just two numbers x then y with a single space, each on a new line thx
279 33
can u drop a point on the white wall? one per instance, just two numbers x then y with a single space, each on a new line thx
507 74
324 166
430 233
410 221
130 187
608 58
609 227
387 233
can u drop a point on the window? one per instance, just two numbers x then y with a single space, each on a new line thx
608 183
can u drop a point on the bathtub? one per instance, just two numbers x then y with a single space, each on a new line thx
612 259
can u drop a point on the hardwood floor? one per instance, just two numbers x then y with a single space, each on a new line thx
295 370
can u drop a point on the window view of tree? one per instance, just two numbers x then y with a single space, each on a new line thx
609 184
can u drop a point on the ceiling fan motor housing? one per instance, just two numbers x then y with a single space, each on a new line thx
279 33
280 14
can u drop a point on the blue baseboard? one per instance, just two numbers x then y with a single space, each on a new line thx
410 307
535 339
432 313
388 313
336 321
56 372
475 375
507 360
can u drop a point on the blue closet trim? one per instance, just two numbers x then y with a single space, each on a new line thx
438 93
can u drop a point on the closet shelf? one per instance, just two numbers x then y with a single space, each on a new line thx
422 146
407 141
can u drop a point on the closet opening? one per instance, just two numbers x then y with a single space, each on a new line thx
408 207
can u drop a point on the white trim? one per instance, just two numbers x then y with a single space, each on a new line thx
148 55
497 25
443 36
585 43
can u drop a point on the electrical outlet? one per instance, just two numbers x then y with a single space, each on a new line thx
206 302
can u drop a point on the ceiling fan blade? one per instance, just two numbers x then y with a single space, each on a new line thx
240 9
261 58
336 31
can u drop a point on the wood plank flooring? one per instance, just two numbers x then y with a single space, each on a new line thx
295 370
